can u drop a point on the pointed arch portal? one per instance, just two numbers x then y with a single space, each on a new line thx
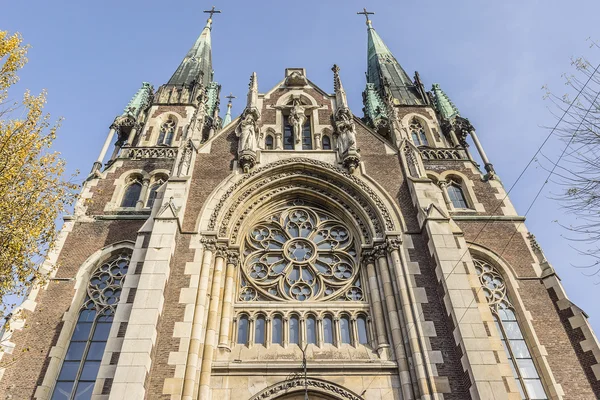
294 389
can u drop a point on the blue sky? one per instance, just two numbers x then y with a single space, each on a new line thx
492 58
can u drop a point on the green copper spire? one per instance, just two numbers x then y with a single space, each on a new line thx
197 64
227 119
140 101
384 70
443 104
374 110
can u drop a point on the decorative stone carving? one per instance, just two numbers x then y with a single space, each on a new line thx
183 169
443 154
412 162
246 131
462 128
296 79
345 127
297 118
149 152
365 189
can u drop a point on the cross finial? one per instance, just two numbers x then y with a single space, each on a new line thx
211 12
230 97
366 14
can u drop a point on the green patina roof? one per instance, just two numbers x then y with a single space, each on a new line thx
212 98
443 104
227 119
382 67
374 106
197 64
140 100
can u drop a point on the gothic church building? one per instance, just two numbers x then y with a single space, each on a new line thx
297 251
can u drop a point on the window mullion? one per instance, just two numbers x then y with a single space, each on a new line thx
513 359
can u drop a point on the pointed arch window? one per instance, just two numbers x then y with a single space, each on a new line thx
277 333
456 195
132 194
80 368
242 337
269 142
361 324
328 330
288 135
259 330
418 133
167 132
517 351
311 330
306 135
294 330
326 143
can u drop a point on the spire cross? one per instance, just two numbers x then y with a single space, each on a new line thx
211 12
366 14
230 97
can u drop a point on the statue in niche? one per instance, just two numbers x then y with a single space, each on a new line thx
246 131
297 118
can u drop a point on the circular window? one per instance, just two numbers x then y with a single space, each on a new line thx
300 254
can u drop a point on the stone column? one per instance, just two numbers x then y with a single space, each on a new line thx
319 328
131 136
302 327
285 326
268 331
143 194
197 324
382 342
443 185
278 141
211 338
251 327
337 334
354 330
394 321
486 162
232 262
109 138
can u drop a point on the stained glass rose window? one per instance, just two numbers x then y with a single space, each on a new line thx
300 254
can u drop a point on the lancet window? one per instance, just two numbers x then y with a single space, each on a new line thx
456 195
167 133
306 135
517 351
418 133
269 142
326 143
132 193
288 135
80 368
300 253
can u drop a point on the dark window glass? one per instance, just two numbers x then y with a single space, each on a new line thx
277 330
363 337
294 330
311 330
132 195
259 330
457 196
326 143
82 361
269 142
152 195
288 135
306 136
328 330
345 329
167 132
243 330
423 137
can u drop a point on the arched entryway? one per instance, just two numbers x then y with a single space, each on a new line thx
295 389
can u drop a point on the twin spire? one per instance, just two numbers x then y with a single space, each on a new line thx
386 79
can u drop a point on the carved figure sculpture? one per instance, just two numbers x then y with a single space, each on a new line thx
296 119
347 131
246 131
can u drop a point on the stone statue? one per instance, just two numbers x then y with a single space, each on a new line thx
347 131
296 119
246 131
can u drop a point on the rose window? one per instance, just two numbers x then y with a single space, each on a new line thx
300 254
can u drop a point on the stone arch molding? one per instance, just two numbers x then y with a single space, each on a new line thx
360 198
297 385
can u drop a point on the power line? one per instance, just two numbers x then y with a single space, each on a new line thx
515 183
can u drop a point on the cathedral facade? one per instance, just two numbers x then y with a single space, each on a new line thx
297 251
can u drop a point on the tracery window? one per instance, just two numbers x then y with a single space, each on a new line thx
418 133
456 195
517 351
300 254
132 194
167 132
79 370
